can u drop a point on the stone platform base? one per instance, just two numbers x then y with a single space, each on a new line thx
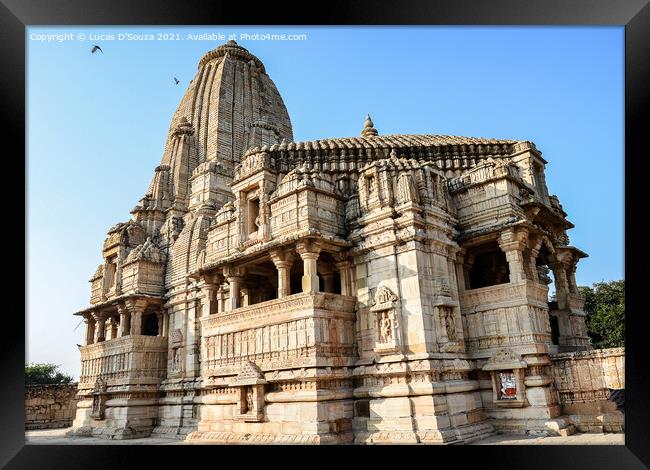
58 437
561 426
173 432
110 432
460 435
216 437
607 422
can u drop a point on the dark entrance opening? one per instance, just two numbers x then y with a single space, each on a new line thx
490 267
150 324
555 330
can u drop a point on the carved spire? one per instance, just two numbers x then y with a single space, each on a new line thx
368 129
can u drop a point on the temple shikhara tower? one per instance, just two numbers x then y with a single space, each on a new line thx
369 289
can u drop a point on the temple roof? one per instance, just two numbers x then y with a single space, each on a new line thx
398 141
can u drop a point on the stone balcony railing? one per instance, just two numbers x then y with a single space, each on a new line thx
299 330
286 308
133 359
504 295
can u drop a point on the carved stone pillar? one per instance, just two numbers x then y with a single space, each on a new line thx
159 320
344 270
234 282
112 327
234 276
458 265
100 326
136 309
209 302
283 260
90 329
466 268
164 328
125 321
221 300
136 322
309 253
534 244
571 279
513 243
245 296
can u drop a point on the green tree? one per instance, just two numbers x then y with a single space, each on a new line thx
45 374
605 309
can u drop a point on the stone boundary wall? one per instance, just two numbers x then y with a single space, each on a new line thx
582 380
50 406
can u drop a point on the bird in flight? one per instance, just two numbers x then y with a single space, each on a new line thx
96 48
176 80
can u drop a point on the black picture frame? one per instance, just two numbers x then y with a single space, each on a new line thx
16 15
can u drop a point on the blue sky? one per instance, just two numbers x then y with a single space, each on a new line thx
97 124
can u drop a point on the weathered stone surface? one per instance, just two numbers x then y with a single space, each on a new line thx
380 288
50 406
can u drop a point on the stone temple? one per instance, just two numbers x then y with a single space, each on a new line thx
369 289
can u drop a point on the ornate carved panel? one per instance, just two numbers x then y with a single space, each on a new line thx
386 322
98 410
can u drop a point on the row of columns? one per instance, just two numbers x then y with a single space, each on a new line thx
130 322
309 252
522 249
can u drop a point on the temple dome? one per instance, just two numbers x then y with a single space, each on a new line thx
229 106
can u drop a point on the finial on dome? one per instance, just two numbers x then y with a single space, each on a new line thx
233 42
368 129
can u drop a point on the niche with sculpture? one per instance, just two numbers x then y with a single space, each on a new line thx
250 397
507 373
176 352
98 410
386 324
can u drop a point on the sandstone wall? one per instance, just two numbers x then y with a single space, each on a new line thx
50 406
582 380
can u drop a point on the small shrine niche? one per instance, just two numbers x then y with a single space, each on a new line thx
176 352
447 314
507 373
384 314
507 385
250 399
98 410
449 326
